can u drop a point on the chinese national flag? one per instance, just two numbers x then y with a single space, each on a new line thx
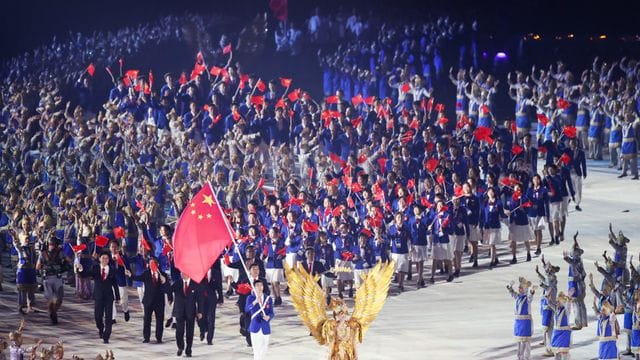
294 95
516 149
332 99
91 69
227 49
285 82
261 86
201 235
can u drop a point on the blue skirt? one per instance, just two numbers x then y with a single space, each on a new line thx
607 350
560 340
547 318
628 321
635 341
26 276
522 329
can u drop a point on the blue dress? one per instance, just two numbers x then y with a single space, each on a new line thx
561 336
635 334
26 274
522 328
607 347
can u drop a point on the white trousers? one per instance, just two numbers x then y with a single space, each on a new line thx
140 290
260 345
576 181
524 350
124 300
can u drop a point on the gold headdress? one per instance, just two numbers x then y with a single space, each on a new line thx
524 282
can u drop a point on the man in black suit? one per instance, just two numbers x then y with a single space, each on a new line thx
105 287
209 291
311 265
578 169
185 295
530 153
256 271
156 285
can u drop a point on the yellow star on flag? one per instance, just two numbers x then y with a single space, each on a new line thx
208 199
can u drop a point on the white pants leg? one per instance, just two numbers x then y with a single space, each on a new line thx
140 290
527 350
124 298
260 345
576 181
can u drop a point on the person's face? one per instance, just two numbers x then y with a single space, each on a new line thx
104 260
309 255
251 253
113 247
254 271
259 287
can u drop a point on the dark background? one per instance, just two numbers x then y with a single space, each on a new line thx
26 24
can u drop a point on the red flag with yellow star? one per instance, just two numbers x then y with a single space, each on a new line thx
202 233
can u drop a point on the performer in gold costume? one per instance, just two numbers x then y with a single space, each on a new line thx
342 332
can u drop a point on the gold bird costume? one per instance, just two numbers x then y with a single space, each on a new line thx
342 332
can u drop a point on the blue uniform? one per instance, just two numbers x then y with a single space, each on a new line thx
522 327
607 347
258 322
561 337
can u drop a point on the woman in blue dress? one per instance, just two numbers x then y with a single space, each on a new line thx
26 272
561 337
607 331
522 327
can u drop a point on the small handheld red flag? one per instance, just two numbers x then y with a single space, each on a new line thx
566 159
405 88
285 82
227 49
261 183
294 95
91 69
357 100
431 165
570 132
542 118
332 99
309 226
79 248
101 241
118 232
369 100
261 86
516 149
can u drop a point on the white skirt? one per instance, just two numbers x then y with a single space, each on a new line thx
290 258
537 223
227 271
459 242
344 270
418 253
492 236
555 209
274 275
474 233
520 233
442 251
326 282
401 261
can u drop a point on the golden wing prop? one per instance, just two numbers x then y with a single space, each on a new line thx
308 299
371 295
